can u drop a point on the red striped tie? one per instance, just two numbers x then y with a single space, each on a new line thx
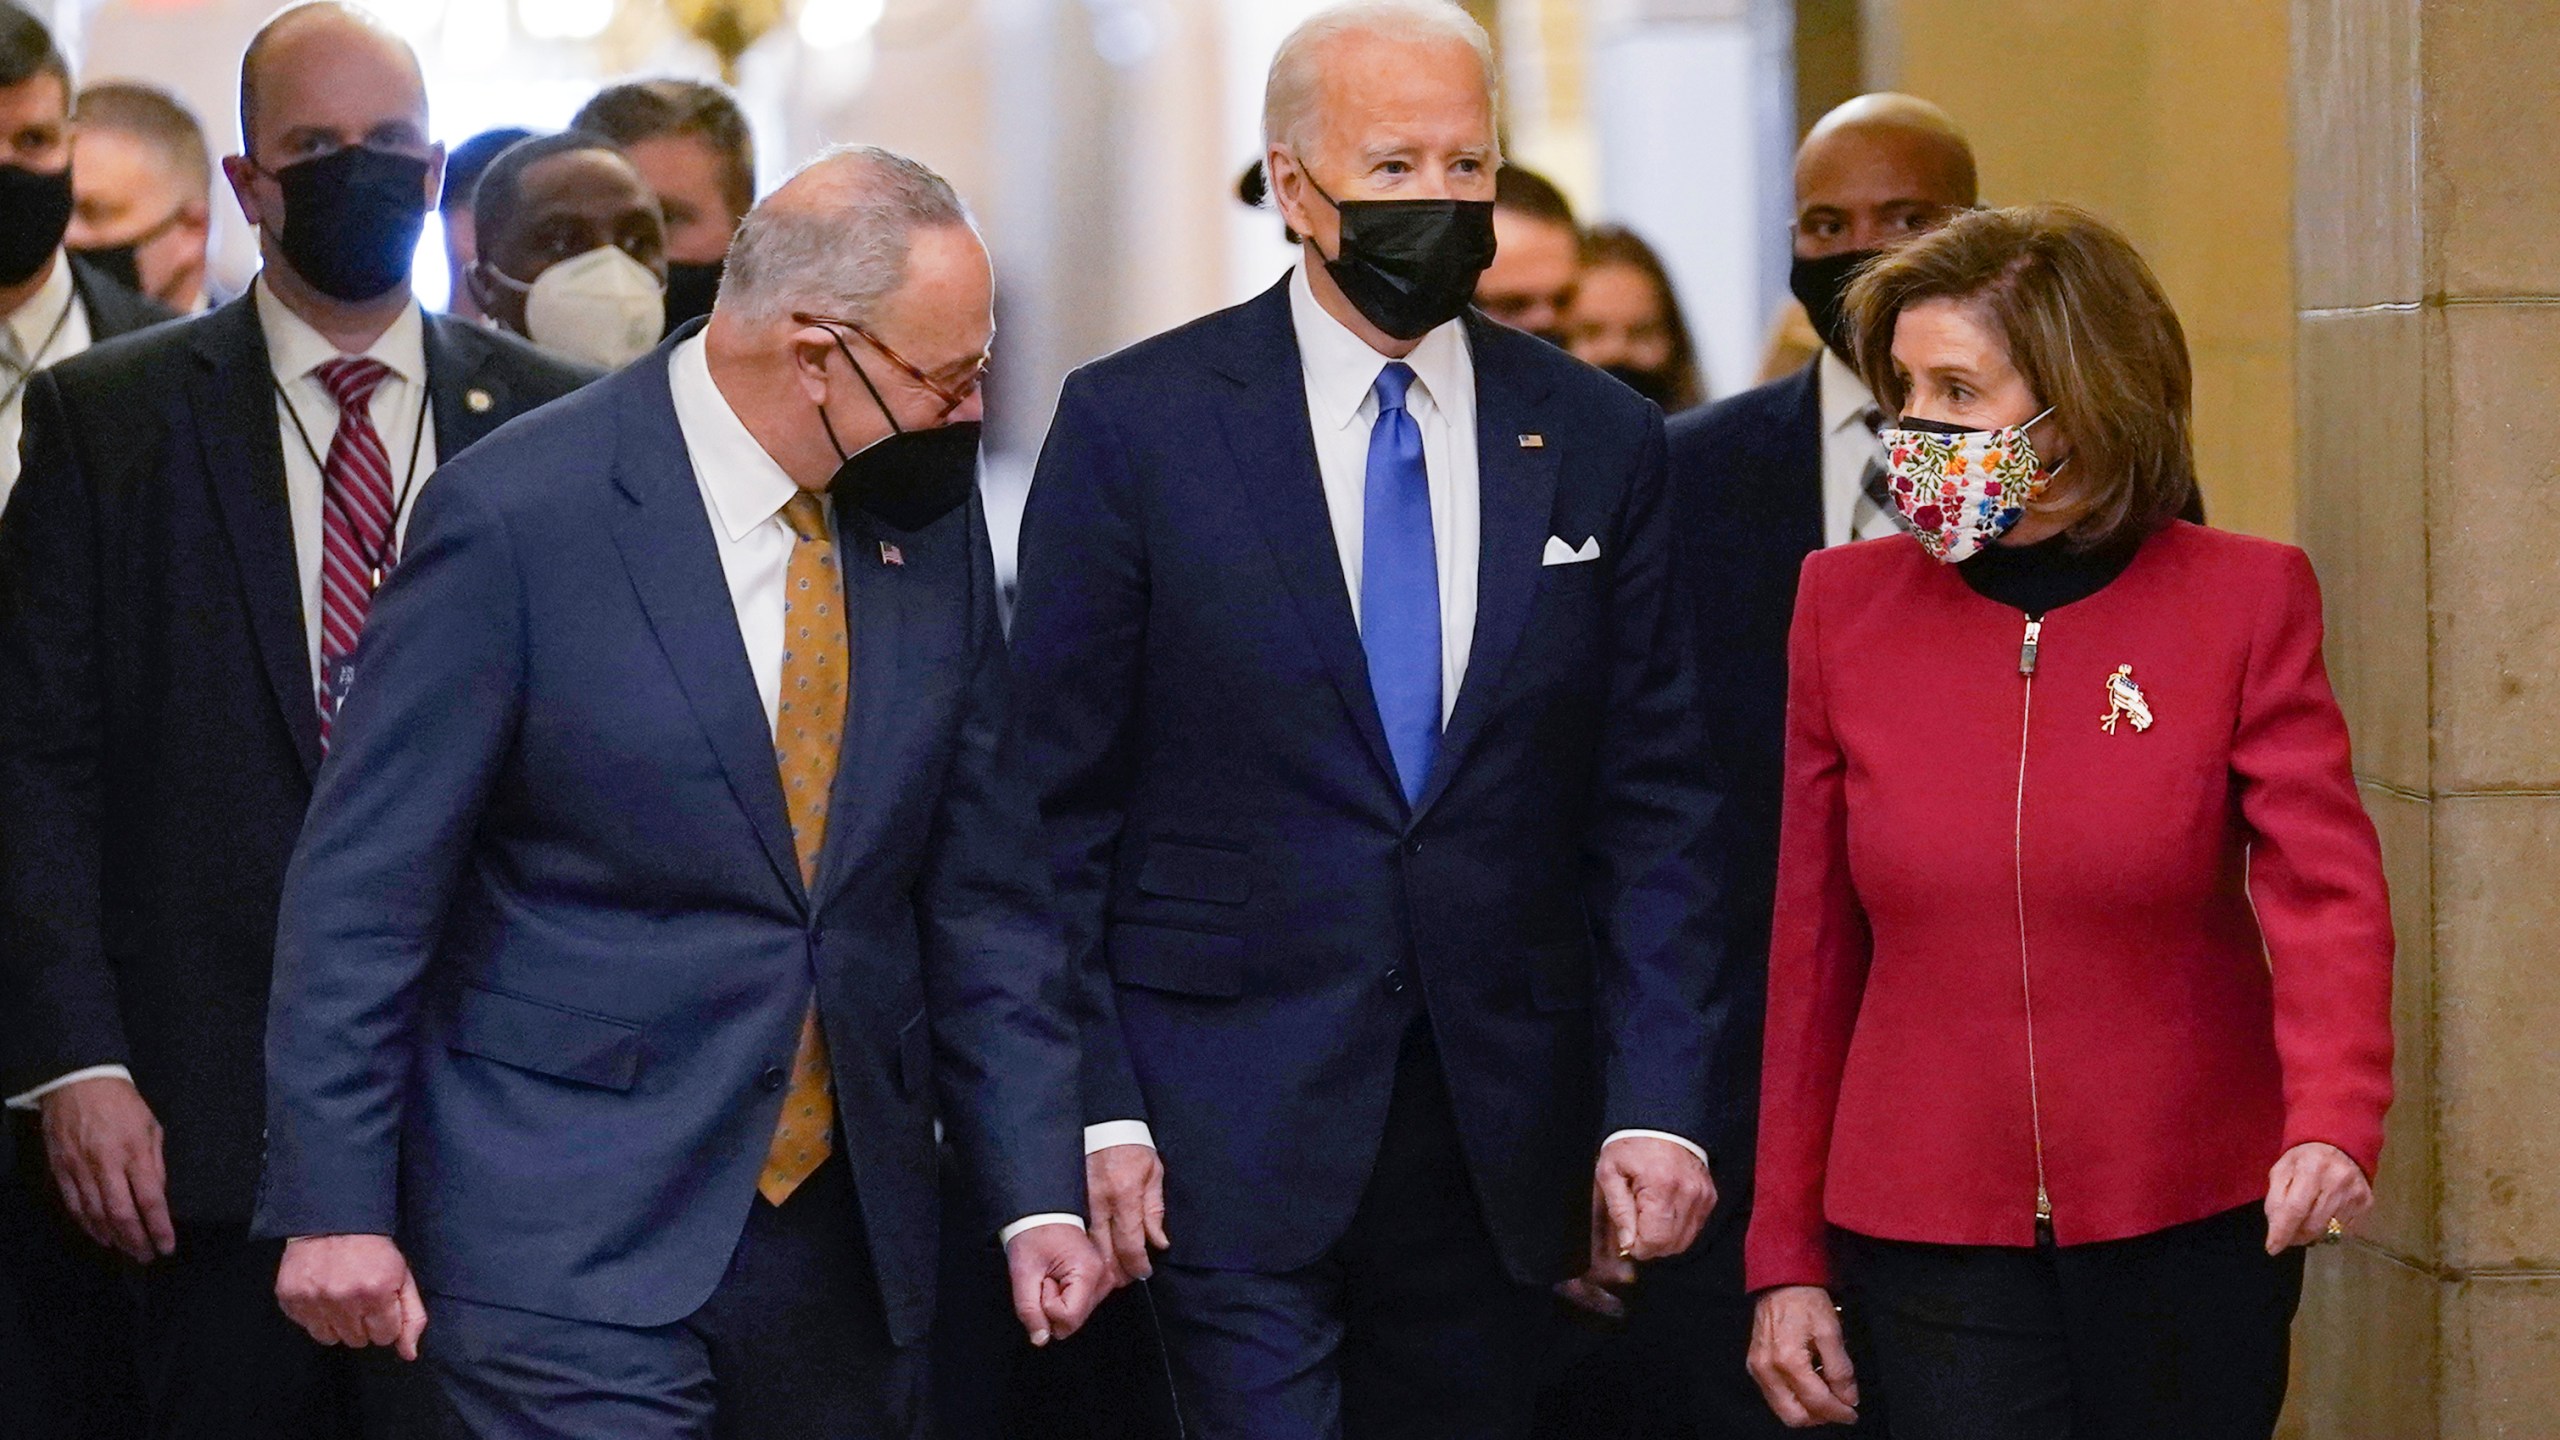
356 523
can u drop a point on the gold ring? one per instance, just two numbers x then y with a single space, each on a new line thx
2337 1231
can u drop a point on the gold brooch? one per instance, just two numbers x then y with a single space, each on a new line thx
2125 702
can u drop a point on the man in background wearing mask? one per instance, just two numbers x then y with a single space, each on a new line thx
572 254
1537 255
184 571
690 142
52 307
454 206
1359 709
142 180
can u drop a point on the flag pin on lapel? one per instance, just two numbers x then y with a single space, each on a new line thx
891 554
1533 442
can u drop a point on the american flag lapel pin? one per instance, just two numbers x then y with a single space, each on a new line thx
891 554
1533 442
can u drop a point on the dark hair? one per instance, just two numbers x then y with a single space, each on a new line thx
501 186
27 49
1611 244
156 118
1526 192
2087 326
466 162
640 110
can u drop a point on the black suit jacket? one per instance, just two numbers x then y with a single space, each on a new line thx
158 734
113 309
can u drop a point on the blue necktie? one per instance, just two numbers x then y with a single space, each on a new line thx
1400 586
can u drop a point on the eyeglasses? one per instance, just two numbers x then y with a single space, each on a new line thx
951 398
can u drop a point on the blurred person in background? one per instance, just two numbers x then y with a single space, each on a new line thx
455 204
1537 255
142 188
185 569
572 253
1625 318
690 142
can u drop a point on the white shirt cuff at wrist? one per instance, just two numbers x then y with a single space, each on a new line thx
1034 1222
1691 1146
94 1072
1117 1132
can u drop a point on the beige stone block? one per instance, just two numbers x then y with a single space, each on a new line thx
2355 126
2500 1334
2364 1349
2497 987
2492 84
2404 1220
2362 515
2494 550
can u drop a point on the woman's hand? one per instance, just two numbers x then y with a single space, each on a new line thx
2312 1185
1800 1359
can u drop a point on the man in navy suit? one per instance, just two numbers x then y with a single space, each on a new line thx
673 876
1358 700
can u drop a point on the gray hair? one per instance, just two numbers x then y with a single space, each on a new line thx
842 254
1291 95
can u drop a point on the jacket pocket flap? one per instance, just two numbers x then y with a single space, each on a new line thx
1181 962
546 1039
1180 871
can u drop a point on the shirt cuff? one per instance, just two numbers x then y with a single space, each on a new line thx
1692 1146
1034 1222
94 1072
1117 1132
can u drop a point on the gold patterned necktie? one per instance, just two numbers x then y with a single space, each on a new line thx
808 737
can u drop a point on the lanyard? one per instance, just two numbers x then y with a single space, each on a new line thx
35 361
374 563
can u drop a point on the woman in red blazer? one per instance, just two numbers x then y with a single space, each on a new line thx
2080 993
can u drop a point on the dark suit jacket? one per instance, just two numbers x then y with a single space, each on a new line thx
113 310
1256 912
158 732
545 947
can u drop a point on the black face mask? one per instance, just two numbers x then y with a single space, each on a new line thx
352 220
1654 385
123 263
1821 286
35 208
1410 266
691 287
912 478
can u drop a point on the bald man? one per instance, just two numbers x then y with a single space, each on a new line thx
184 570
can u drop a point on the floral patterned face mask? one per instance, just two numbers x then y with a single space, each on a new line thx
1962 489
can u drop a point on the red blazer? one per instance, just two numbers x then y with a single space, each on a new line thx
2024 963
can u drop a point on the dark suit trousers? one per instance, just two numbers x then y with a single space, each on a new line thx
66 1315
1409 1328
792 1345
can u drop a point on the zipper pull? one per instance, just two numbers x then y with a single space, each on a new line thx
2044 1206
2027 652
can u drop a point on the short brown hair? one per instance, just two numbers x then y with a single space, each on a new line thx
158 119
640 110
2088 327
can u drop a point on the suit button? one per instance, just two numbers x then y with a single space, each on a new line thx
1395 981
1413 847
772 1078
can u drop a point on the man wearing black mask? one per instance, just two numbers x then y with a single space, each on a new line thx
184 570
52 306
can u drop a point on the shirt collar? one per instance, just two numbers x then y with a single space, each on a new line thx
294 349
33 322
746 485
1845 397
1342 369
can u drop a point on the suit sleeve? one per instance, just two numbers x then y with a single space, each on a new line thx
1818 959
1654 860
414 753
2315 877
1079 636
996 982
60 993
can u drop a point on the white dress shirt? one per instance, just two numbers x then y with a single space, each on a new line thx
1341 374
744 488
294 351
50 328
1847 447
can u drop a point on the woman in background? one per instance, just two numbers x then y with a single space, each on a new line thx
1626 320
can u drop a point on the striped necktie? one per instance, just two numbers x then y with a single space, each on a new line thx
356 523
1875 516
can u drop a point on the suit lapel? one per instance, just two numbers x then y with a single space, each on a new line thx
469 399
879 603
232 396
667 547
1517 493
1799 518
1273 445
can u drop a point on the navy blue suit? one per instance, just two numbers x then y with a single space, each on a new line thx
545 946
1259 917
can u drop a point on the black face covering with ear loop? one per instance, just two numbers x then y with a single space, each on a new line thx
1409 266
912 478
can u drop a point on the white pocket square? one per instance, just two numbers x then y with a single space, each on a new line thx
1559 553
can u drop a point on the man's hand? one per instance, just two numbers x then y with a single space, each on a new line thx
2312 1185
1657 1195
104 1147
1601 1286
1124 1185
1800 1360
1057 1280
352 1290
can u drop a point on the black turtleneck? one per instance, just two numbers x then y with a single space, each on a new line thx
2046 575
